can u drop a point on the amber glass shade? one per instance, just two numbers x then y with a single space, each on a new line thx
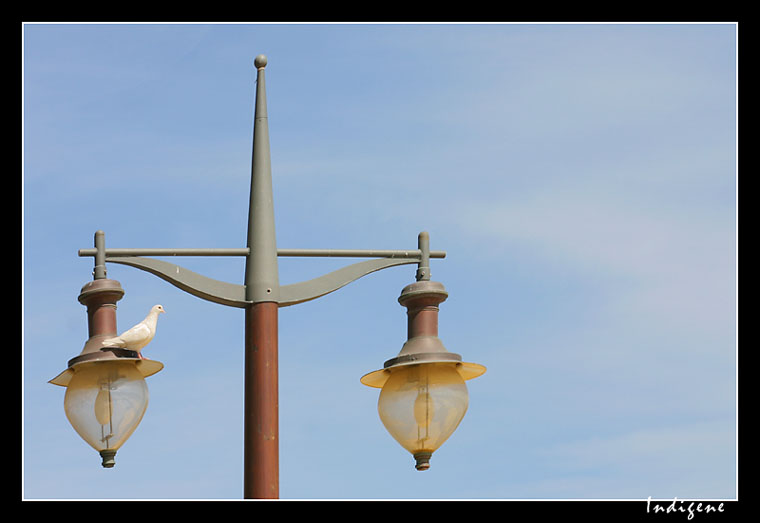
105 402
421 406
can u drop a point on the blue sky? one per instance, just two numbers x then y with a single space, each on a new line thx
580 177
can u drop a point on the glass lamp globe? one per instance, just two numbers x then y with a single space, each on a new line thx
105 402
421 406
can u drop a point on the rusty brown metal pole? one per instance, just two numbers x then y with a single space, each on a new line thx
261 449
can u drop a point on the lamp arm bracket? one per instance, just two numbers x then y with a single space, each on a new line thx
233 295
312 289
191 282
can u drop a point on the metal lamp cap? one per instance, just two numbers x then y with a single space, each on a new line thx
108 456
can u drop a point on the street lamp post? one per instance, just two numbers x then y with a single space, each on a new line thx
420 422
262 292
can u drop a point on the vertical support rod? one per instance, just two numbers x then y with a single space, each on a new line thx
99 272
423 268
261 418
261 447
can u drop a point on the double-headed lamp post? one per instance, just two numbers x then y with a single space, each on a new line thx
423 396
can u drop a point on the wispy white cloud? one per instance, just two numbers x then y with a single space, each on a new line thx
656 461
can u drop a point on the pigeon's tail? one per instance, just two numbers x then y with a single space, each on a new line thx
113 342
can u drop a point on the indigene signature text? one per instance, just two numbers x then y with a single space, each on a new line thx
693 508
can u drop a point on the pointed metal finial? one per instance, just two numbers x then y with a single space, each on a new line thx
261 272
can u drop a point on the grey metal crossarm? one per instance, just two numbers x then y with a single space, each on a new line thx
234 295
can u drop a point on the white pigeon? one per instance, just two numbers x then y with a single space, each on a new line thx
138 336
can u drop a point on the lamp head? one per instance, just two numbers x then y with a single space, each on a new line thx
106 395
423 396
